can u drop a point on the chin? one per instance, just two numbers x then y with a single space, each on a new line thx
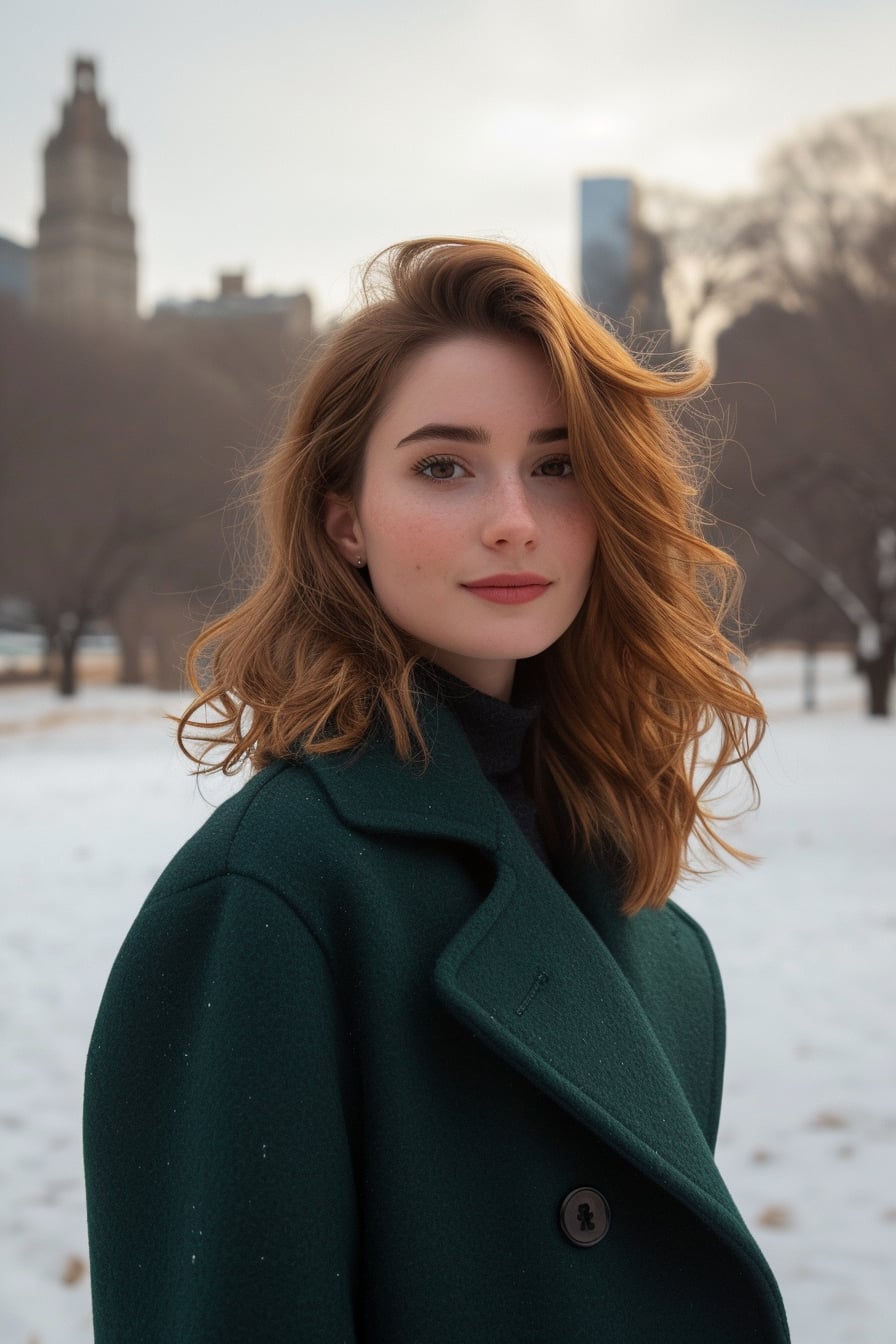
503 653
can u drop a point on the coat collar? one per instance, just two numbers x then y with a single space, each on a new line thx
372 790
532 977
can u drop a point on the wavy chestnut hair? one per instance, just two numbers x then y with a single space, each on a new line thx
643 676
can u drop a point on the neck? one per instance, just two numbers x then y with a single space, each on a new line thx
491 676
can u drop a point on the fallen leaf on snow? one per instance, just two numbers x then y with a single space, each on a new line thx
775 1215
74 1270
829 1120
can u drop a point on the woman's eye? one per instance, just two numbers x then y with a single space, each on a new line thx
556 467
439 468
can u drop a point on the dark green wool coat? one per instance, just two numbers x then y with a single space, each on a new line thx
356 1051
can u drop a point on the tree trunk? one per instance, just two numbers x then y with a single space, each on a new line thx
130 667
67 636
68 681
129 620
810 678
879 676
45 671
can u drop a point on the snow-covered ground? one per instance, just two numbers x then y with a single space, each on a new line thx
94 799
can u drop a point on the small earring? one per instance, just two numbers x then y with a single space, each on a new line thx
360 562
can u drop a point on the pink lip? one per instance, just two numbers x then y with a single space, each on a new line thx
509 589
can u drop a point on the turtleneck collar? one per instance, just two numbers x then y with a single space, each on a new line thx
495 729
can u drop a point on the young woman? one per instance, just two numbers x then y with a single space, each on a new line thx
408 1045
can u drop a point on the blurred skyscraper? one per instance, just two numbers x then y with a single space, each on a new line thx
621 260
84 266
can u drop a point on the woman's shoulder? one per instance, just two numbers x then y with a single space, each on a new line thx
272 828
264 864
692 938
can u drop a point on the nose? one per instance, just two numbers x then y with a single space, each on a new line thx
509 520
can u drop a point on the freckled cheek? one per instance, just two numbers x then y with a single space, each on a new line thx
420 550
581 538
400 539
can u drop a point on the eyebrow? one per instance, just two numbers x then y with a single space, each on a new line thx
475 434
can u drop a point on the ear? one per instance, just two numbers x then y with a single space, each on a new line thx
343 528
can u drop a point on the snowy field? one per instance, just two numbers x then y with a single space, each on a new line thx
94 799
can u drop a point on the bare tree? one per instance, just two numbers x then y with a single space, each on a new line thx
803 273
111 447
819 231
714 269
810 476
829 210
874 627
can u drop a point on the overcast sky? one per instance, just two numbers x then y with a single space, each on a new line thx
296 138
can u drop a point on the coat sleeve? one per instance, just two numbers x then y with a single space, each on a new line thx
220 1186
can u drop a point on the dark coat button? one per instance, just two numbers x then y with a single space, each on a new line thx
585 1216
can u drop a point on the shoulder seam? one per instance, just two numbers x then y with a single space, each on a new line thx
276 770
227 872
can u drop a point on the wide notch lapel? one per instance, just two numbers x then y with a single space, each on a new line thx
533 979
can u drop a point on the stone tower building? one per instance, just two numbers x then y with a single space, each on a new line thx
84 267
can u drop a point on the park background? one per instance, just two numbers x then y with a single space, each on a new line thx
189 192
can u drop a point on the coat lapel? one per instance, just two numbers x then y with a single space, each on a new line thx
532 977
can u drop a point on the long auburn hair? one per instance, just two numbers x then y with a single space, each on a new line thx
644 675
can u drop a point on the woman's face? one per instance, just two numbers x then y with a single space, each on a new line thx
477 538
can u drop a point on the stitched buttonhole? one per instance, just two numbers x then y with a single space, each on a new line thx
538 983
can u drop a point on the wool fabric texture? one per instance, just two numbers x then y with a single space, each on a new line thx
356 1050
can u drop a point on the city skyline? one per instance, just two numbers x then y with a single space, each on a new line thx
295 143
